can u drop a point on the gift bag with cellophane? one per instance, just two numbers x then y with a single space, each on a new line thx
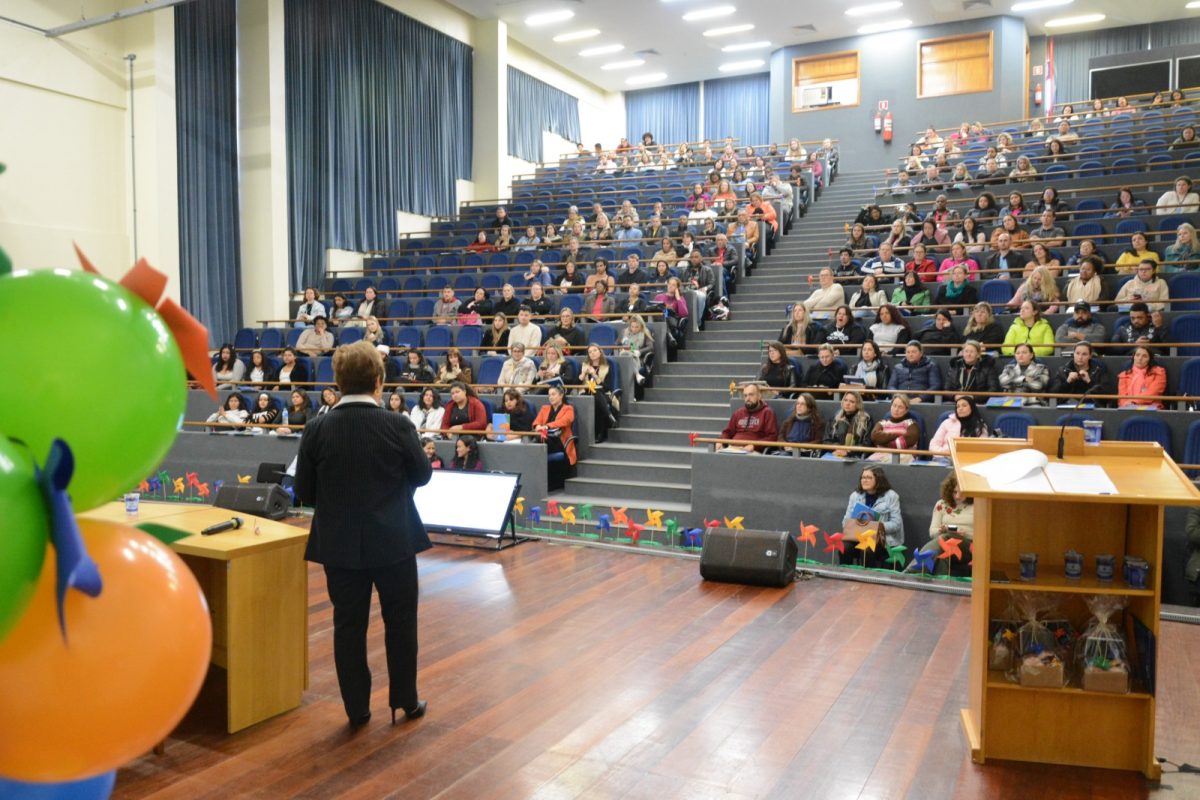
1102 656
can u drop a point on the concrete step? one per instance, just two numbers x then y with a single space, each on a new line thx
684 424
700 380
679 454
621 472
648 437
669 408
649 492
635 508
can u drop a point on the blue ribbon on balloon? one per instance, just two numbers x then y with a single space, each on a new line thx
76 569
95 788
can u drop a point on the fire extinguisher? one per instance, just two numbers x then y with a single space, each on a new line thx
1037 95
878 121
887 127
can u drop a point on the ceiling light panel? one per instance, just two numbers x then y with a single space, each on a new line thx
728 30
575 36
738 48
873 8
708 13
883 27
1066 22
549 17
602 50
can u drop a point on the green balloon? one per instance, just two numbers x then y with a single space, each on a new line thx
90 363
23 535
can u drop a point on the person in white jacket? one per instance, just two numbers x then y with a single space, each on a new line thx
826 298
1182 200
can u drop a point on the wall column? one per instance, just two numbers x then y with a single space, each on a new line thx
490 109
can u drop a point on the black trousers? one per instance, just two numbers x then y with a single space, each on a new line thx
350 593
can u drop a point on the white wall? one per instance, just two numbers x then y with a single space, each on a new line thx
65 138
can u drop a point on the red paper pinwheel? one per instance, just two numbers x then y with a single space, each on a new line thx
833 541
950 547
551 507
634 530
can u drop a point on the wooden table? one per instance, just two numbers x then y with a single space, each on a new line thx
256 582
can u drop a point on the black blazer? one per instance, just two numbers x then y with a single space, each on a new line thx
358 467
1015 261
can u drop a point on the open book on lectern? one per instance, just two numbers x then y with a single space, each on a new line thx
1030 470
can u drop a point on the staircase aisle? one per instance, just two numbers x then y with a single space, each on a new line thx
646 463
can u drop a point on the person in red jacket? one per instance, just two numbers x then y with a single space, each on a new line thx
465 411
755 422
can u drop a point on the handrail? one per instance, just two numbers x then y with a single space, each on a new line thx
465 250
635 146
276 426
814 446
956 393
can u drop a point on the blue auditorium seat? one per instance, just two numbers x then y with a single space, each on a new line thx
1186 328
245 339
1146 429
489 369
438 339
996 292
271 339
1014 424
603 335
406 336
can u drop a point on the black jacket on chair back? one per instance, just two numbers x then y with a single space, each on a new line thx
358 468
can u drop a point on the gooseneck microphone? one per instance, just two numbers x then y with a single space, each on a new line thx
234 523
1062 432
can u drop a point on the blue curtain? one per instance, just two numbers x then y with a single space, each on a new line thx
206 80
1074 51
378 120
671 113
737 107
533 107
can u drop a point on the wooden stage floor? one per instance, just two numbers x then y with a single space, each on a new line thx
557 671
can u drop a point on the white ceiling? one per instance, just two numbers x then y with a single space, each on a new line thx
684 54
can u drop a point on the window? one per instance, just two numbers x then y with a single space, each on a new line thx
955 65
825 81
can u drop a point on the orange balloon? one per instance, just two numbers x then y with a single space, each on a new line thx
132 664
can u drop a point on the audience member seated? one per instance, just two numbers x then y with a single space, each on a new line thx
753 423
871 371
1138 328
915 374
844 333
897 431
341 312
520 418
972 370
958 258
292 371
800 331
555 419
571 333
1017 235
889 327
1143 379
508 304
495 337
1186 140
777 371
826 372
260 369
1086 287
827 297
966 421
464 412
502 219
446 308
372 305
1048 233
1040 289
1040 256
846 268
504 240
228 369
1081 327
1126 205
874 505
602 385
555 369
851 427
1180 200
232 412
1050 200
317 340
1031 327
953 515
1004 262
596 304
310 309
933 238
1025 374
911 293
525 332
627 235
885 265
631 272
1183 250
476 310
985 210
454 368
518 369
1082 373
416 369
958 290
529 241
466 455
867 298
677 314
942 332
972 237
537 302
982 326
1146 287
265 411
803 426
428 412
395 403
639 343
1139 251
372 334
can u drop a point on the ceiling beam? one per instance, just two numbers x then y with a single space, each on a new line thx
83 24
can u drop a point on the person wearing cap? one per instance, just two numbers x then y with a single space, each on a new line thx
1081 327
390 372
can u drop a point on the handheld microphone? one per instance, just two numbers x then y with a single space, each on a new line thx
231 524
1062 432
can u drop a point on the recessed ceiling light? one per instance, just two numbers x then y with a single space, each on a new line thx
880 27
649 77
1032 5
549 17
873 8
631 62
1193 4
708 13
602 50
734 66
737 48
575 36
728 30
1082 19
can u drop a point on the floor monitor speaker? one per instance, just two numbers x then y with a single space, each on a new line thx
759 558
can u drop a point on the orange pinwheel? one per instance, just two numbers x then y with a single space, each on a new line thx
808 533
951 547
619 517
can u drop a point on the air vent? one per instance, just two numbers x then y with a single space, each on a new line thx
805 28
650 52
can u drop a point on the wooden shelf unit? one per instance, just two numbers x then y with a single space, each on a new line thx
1065 725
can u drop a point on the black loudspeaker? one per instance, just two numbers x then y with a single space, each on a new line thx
270 473
759 558
260 499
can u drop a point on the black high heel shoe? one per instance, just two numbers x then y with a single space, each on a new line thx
416 712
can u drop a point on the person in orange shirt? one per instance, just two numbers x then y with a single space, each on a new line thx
1144 378
760 209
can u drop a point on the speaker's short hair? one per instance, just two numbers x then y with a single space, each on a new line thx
356 367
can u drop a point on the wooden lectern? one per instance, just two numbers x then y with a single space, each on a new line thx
1065 725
